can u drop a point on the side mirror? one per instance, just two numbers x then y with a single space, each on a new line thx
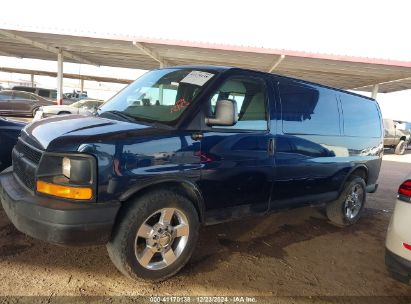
226 113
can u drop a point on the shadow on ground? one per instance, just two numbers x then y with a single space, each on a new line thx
265 236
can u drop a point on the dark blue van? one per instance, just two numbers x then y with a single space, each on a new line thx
186 146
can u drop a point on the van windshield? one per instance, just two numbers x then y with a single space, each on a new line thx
160 95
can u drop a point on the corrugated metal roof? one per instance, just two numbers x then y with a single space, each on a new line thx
344 72
66 75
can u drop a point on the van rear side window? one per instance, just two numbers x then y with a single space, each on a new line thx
307 110
361 116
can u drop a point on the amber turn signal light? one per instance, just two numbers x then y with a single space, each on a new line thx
78 193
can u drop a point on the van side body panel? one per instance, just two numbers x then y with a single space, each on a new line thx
314 156
314 138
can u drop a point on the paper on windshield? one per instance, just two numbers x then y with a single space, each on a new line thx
197 78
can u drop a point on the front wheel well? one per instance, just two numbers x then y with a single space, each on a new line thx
360 172
403 138
185 189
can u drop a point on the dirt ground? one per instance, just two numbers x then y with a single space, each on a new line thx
292 253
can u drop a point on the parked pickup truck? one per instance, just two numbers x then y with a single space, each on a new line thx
395 137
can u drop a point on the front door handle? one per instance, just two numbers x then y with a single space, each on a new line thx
271 146
197 136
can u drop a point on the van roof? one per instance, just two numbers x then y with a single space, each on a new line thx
226 68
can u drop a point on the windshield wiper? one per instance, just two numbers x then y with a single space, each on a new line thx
122 115
127 117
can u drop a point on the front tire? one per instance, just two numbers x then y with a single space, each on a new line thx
155 237
401 147
347 208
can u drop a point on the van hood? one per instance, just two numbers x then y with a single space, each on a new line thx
67 133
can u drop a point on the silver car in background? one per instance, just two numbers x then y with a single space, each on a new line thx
82 107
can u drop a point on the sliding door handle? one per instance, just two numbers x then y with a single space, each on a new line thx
271 146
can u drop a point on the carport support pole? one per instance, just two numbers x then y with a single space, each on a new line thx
161 93
161 87
82 86
60 77
374 92
32 80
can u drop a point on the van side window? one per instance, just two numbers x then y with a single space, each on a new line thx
307 110
361 116
250 96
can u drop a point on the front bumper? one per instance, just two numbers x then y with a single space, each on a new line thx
56 220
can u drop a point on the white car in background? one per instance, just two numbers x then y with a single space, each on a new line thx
82 107
398 242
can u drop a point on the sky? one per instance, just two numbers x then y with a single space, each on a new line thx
378 29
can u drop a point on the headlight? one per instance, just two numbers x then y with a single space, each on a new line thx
71 176
77 170
66 167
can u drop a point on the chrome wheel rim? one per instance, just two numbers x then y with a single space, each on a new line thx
353 202
161 239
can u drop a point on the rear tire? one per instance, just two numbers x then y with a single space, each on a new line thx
352 197
148 243
400 148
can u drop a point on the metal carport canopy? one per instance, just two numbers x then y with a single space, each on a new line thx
66 75
344 72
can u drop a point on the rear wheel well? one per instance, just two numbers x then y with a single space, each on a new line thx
403 138
181 188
